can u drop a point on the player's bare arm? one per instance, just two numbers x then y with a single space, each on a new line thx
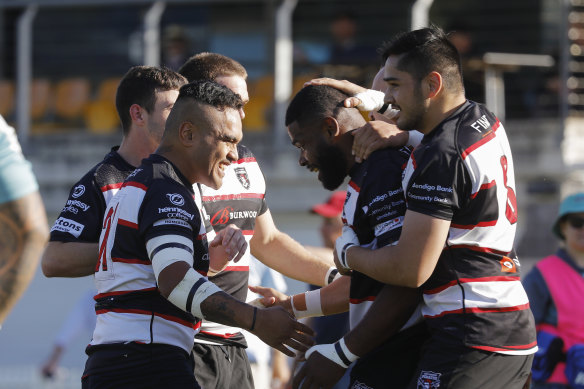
274 326
280 252
409 263
23 234
69 259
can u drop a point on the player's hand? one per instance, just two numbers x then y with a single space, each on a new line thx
347 240
342 85
376 135
318 372
229 245
278 329
270 297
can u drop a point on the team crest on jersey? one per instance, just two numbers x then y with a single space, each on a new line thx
78 191
242 176
429 380
508 265
176 199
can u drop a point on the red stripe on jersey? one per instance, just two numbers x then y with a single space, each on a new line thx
201 236
105 188
247 232
128 223
414 163
480 310
471 226
119 293
224 336
244 160
201 272
362 300
479 249
130 260
490 135
506 348
488 185
354 186
236 268
469 280
236 196
145 312
136 185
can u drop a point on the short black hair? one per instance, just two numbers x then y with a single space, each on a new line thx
211 93
314 102
139 86
209 66
424 51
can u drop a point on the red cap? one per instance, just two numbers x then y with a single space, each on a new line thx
334 205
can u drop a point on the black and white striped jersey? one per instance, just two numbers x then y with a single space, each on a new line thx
374 208
239 201
82 216
463 172
155 204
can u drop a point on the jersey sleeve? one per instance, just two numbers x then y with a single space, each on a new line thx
169 211
81 218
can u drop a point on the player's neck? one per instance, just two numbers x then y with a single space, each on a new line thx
135 147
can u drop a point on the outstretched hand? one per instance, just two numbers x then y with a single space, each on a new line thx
318 372
270 297
278 329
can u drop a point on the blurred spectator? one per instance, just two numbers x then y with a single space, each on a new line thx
81 320
330 328
23 222
554 286
175 47
269 367
461 36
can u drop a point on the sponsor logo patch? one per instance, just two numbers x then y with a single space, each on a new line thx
242 176
176 199
78 191
507 265
67 225
360 385
389 225
429 380
173 222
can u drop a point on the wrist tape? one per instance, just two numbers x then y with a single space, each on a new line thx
313 306
336 352
191 291
331 275
371 100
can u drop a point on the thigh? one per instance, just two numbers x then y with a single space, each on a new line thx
461 368
138 366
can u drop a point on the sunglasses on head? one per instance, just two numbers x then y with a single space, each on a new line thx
575 221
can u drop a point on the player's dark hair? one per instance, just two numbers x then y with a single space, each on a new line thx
424 51
139 86
209 66
314 102
211 93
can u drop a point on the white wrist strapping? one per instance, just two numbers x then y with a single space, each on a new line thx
331 275
336 352
371 100
191 291
313 306
342 244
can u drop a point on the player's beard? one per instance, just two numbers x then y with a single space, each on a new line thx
332 166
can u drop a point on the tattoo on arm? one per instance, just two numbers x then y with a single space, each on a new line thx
23 234
222 308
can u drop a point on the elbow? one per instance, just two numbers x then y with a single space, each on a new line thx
49 267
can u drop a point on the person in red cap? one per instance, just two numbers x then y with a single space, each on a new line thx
332 225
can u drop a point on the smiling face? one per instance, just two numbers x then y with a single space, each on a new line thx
217 147
405 94
319 155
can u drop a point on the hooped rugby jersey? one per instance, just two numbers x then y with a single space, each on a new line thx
82 216
155 204
239 201
374 208
463 172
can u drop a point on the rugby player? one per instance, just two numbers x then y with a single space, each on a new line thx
153 255
457 237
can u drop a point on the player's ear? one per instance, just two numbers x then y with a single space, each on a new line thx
137 114
331 127
433 83
186 133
